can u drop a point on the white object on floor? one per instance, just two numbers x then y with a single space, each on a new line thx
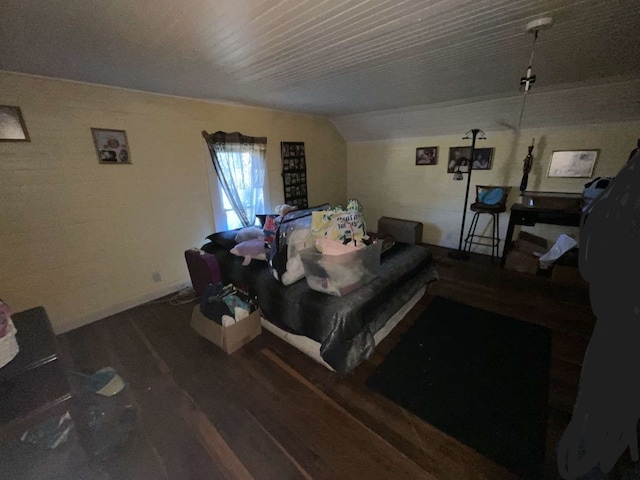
311 348
563 244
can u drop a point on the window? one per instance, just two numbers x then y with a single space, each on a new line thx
236 178
246 192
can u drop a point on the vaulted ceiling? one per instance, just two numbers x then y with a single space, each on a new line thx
326 57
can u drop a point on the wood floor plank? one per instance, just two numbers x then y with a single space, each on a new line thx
211 377
140 458
357 447
402 429
215 445
221 454
156 396
294 374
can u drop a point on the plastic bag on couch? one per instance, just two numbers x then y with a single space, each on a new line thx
344 225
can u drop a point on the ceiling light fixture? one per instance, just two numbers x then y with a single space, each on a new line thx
528 80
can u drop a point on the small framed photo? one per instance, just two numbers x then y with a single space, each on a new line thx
482 158
12 126
426 155
572 163
111 146
459 159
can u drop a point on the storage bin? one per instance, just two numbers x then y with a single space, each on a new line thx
340 274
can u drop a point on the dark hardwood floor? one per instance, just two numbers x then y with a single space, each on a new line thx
270 412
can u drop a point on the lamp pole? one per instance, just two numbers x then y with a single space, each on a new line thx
476 133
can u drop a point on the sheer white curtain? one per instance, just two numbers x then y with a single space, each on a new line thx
239 161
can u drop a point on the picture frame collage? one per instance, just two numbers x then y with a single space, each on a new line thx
459 157
563 163
112 146
294 174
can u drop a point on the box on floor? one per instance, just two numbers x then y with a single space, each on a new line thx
532 244
229 338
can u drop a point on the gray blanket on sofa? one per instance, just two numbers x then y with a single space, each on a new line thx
344 326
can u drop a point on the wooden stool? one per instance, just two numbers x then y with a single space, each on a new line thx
496 203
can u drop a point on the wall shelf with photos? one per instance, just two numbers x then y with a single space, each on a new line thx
294 174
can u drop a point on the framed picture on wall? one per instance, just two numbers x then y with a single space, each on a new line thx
572 163
112 146
482 158
458 159
12 126
426 155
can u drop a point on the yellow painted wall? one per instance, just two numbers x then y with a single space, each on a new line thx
384 177
82 239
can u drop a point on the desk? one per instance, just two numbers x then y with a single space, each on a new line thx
529 216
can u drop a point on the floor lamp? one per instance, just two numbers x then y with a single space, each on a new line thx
475 134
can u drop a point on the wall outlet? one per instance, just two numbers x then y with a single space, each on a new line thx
156 277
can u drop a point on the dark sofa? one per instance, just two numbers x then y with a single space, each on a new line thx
344 326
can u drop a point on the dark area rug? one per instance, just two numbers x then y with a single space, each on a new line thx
480 377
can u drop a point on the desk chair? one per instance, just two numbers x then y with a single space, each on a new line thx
491 200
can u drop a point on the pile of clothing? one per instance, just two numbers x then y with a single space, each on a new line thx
226 304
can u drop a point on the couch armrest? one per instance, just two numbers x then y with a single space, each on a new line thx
405 231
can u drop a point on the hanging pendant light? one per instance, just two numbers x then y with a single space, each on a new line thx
529 79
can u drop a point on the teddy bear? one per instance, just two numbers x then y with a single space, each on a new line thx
282 210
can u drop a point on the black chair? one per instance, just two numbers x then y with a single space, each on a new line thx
491 200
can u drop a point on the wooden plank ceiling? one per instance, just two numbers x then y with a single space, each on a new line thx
327 57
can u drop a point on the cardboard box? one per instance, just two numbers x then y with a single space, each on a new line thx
531 244
520 261
229 338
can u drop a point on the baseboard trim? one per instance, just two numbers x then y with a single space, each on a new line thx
119 307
